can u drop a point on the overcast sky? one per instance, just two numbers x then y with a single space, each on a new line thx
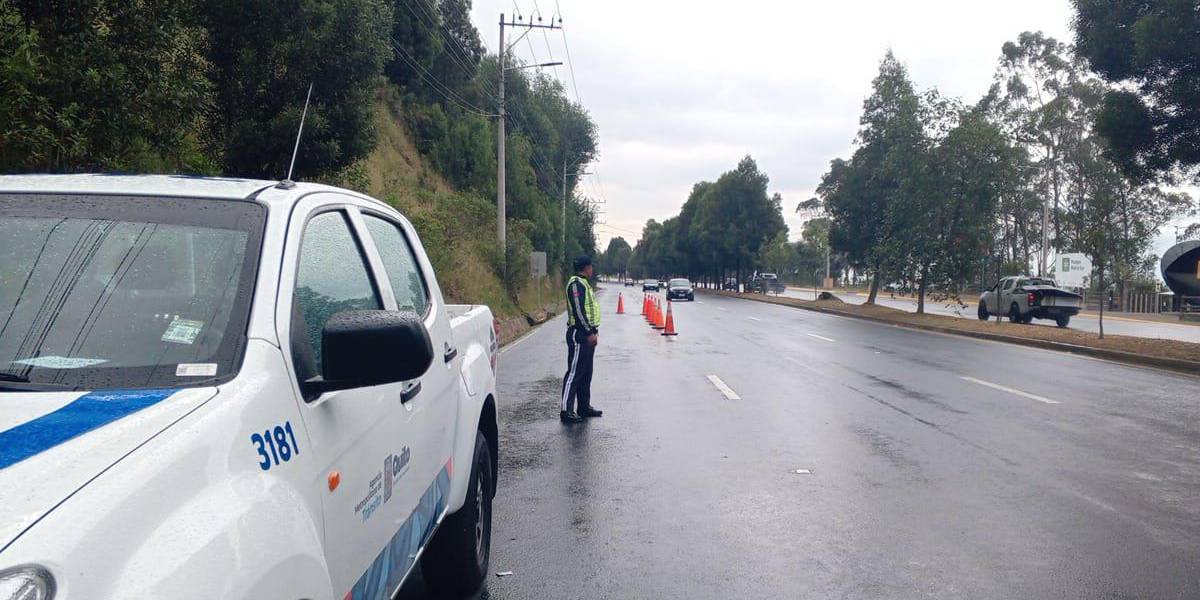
681 90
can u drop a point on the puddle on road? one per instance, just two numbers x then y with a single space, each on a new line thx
536 401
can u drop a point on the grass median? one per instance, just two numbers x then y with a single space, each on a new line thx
1178 355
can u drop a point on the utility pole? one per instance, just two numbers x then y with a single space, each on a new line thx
500 163
501 55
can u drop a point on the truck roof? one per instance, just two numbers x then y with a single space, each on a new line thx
175 186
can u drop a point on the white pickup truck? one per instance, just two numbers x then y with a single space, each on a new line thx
215 388
1025 298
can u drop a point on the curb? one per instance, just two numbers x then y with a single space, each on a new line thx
1189 367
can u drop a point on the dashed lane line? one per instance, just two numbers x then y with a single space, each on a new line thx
820 337
725 389
754 318
1002 388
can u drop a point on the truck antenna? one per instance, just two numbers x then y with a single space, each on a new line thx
287 183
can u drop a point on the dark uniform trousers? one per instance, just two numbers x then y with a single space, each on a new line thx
577 383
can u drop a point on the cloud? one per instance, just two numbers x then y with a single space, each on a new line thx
681 90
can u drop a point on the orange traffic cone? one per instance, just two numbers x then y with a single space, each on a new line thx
670 330
658 318
620 303
645 304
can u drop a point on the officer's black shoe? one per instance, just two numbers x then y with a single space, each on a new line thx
590 412
569 417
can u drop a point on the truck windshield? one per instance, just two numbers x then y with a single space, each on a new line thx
124 292
680 283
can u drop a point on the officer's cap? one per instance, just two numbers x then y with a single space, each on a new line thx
582 262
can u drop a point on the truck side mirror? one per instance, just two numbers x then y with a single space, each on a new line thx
373 347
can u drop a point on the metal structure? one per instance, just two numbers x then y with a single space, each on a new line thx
1181 271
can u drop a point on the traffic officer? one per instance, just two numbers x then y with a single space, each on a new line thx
583 320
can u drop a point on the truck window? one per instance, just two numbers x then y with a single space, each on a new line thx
407 284
123 292
332 277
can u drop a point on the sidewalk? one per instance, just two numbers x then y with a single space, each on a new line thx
971 303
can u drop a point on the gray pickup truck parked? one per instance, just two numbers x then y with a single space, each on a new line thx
1025 298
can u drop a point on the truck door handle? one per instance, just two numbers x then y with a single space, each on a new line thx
450 354
410 391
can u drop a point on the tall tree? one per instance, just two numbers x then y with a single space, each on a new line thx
102 85
1046 109
738 217
872 198
263 74
1154 46
617 256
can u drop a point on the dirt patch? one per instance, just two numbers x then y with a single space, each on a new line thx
1118 347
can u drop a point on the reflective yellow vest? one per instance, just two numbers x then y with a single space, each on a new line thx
590 309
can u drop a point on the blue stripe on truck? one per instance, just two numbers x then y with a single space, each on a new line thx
389 568
85 413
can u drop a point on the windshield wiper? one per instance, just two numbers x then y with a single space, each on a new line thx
12 381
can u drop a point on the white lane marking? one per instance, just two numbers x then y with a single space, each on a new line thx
725 389
722 308
1002 388
754 318
819 337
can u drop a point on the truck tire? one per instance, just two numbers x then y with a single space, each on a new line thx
983 311
1062 322
1014 314
456 562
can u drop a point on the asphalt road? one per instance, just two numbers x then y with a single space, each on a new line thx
937 466
1084 322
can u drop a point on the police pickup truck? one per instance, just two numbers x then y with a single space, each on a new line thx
215 388
1024 298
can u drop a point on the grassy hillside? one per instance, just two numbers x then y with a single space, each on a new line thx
458 229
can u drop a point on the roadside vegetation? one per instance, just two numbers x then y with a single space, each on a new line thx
402 107
1076 147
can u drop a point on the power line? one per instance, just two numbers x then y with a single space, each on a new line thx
570 65
457 51
438 85
621 229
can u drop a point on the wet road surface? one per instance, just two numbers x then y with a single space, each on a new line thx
1116 325
937 466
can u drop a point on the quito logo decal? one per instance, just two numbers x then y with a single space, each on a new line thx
394 467
379 488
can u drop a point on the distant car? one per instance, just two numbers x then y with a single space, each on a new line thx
730 284
1024 299
680 289
649 285
629 283
662 284
766 283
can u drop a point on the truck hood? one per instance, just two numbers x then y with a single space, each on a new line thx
54 443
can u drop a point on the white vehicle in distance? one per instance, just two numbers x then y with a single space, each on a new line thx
216 388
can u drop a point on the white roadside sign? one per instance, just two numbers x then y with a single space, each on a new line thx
1072 269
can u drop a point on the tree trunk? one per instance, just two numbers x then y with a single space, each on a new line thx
874 286
1103 299
921 289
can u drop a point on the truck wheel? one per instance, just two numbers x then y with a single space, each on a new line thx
1014 313
1062 321
456 562
983 311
